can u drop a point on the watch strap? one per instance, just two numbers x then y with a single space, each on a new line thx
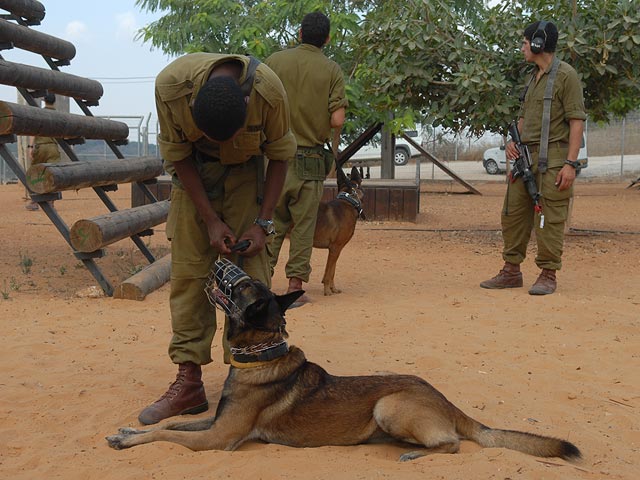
573 163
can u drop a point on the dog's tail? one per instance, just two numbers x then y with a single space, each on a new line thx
532 444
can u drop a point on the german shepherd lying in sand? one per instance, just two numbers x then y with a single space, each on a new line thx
273 394
336 223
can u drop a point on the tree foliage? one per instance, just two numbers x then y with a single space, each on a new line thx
456 64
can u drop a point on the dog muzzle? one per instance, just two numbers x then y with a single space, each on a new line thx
220 284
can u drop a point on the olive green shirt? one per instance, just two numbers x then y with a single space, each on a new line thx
567 104
315 86
266 129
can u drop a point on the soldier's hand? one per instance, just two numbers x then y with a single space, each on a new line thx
221 237
511 151
565 177
257 239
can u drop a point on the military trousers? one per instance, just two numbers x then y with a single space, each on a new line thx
296 214
519 218
45 153
193 318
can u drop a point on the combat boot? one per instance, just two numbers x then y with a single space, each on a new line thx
509 277
185 396
545 284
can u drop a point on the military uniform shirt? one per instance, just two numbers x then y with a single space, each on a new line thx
266 130
304 68
567 104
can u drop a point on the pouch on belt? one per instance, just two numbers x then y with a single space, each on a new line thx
311 164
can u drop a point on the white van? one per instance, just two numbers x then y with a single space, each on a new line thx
494 160
372 150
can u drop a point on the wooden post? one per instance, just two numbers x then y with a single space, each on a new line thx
146 281
56 177
36 42
31 10
34 78
44 122
91 234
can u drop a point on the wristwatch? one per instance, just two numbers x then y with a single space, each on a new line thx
573 163
266 225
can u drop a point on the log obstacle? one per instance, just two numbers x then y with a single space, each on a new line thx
89 235
36 42
34 78
44 122
147 280
56 177
31 10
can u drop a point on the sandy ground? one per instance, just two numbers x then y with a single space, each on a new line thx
76 368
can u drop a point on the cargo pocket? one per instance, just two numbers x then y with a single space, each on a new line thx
555 202
244 146
310 166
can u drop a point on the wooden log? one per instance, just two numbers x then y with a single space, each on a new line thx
45 122
31 10
89 235
146 281
35 78
56 177
36 42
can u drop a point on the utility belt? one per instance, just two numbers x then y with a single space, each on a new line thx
313 163
533 148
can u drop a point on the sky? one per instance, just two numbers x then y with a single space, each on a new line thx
103 33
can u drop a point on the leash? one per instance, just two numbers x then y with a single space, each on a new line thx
240 247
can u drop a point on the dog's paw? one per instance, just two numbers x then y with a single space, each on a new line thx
406 457
117 441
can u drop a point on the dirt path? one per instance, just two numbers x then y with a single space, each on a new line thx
568 365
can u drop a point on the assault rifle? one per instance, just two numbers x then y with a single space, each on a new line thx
522 167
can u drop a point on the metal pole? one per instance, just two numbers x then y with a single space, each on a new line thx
622 152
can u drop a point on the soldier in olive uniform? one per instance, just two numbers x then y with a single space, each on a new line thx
217 120
315 87
555 182
44 149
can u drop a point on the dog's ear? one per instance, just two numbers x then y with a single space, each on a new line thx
355 175
256 311
285 301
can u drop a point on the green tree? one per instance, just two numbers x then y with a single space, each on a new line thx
448 63
469 74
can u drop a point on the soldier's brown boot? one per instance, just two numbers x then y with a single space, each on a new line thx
185 396
545 284
509 277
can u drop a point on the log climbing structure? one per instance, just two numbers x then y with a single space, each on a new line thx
44 182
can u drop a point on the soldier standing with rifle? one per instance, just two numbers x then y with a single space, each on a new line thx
551 124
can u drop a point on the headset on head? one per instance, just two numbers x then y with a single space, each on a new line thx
539 38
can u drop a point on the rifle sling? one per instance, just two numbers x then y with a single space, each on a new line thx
543 155
246 88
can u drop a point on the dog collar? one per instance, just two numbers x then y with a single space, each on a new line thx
256 355
355 203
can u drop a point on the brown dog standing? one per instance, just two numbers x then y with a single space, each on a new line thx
336 223
273 394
